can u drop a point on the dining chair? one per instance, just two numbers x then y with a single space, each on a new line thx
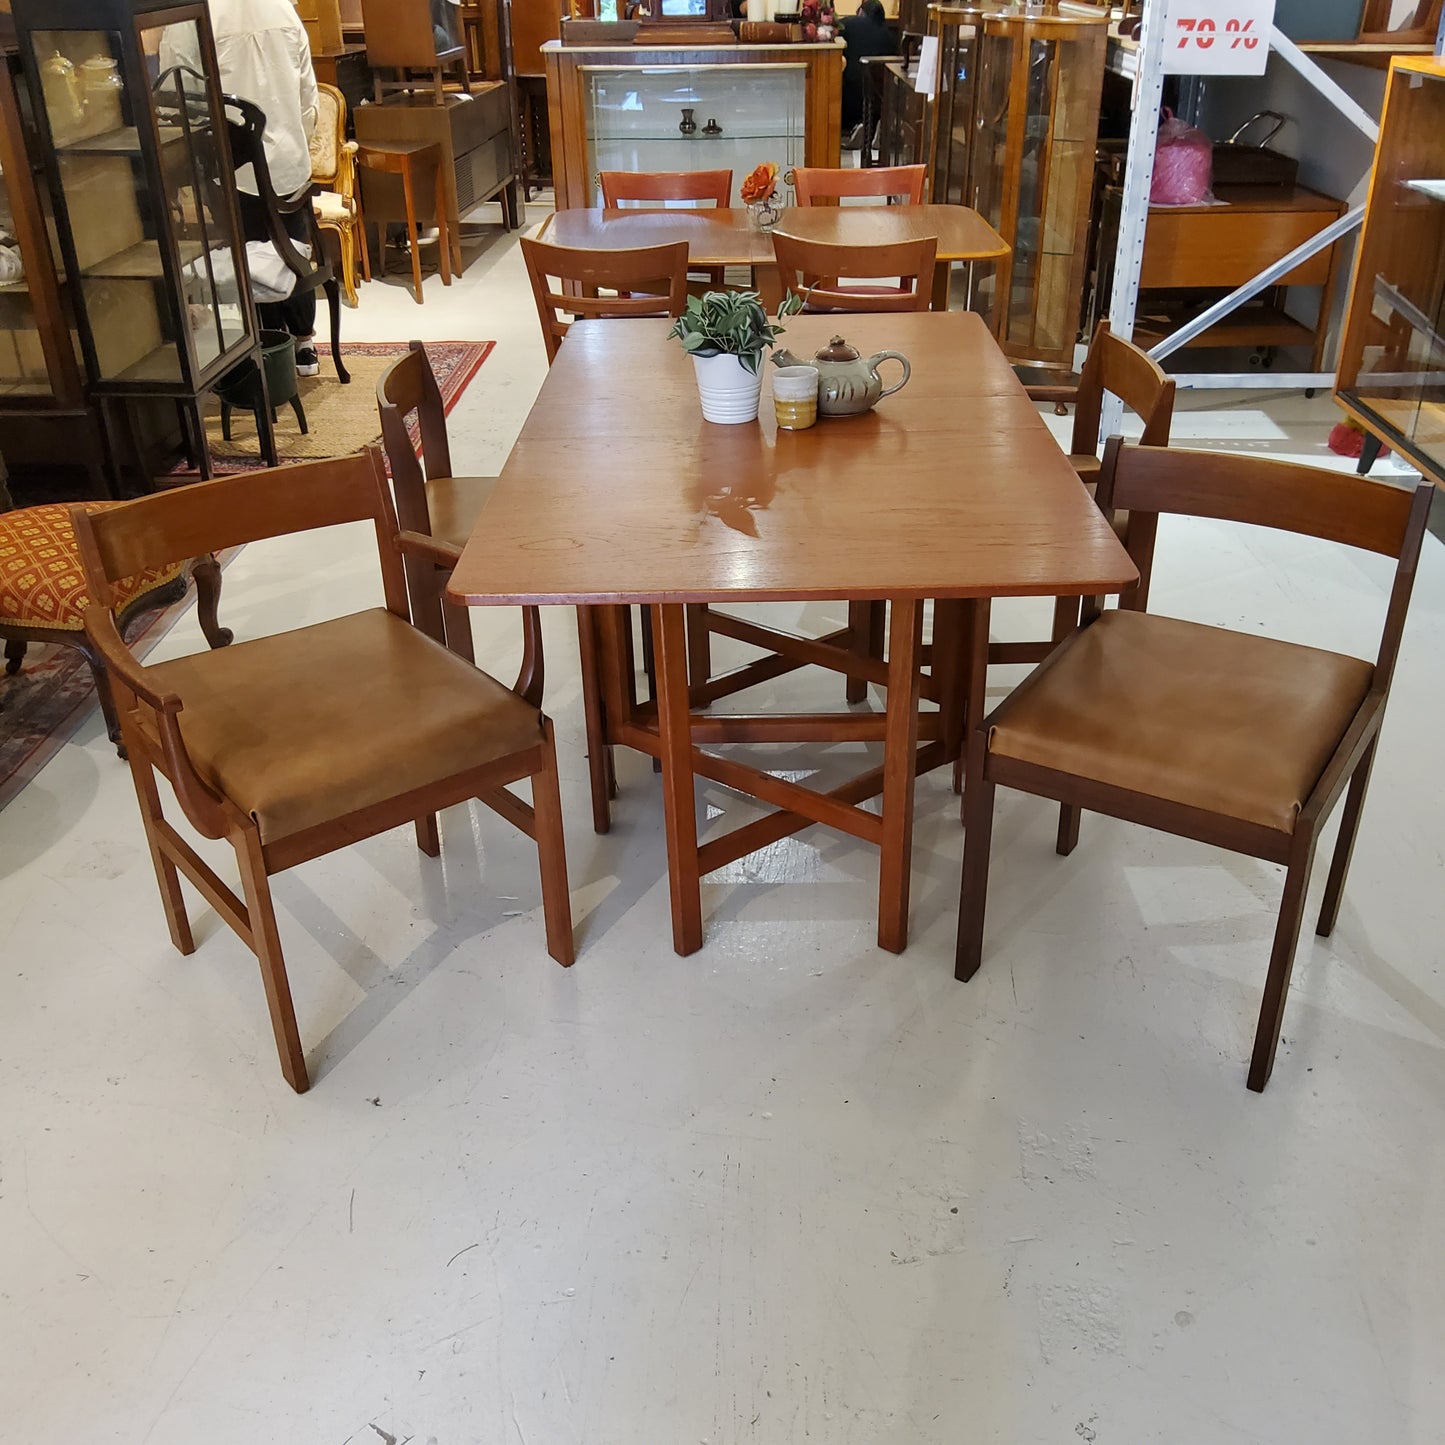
1114 367
620 187
812 270
291 746
828 183
436 510
1226 737
335 198
647 281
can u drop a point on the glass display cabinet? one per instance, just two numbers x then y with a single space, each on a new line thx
1391 375
693 118
1036 124
957 29
640 106
139 168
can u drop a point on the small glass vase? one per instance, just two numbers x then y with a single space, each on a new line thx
764 215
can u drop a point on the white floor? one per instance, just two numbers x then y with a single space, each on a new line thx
790 1189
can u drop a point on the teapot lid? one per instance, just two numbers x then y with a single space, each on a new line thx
839 350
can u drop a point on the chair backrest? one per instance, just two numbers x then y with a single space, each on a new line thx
648 281
1119 367
812 268
1333 506
620 186
814 183
329 136
246 128
183 522
408 387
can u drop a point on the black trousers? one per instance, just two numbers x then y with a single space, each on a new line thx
297 314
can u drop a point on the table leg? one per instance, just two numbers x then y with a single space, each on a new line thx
411 233
444 226
674 726
942 271
900 750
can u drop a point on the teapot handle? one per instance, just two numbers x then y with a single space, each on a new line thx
898 356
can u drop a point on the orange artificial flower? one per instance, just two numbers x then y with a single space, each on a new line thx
760 183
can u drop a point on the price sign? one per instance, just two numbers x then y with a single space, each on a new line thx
1217 37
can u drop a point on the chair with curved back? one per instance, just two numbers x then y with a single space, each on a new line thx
646 187
1224 736
246 124
812 268
648 281
830 183
435 510
335 200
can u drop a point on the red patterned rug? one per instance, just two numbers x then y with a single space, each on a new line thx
43 705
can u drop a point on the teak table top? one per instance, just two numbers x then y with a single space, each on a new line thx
618 491
723 237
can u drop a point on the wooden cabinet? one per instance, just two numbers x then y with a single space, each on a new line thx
621 107
1392 361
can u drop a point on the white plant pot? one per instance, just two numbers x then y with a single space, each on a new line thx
729 392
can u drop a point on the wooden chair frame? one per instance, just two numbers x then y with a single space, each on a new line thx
231 512
1146 482
409 386
827 183
1118 367
812 269
350 234
714 186
648 281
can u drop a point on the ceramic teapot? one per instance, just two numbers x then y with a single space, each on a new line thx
64 96
848 385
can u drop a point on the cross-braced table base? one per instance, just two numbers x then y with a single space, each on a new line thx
670 730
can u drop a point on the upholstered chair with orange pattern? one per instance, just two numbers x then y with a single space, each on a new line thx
43 595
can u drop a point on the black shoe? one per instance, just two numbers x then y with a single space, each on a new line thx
307 361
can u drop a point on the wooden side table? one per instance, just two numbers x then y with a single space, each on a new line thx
410 159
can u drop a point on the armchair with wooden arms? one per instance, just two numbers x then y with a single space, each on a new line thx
335 199
291 746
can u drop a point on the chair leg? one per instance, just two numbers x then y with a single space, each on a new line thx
346 236
699 644
552 853
1066 617
266 941
364 246
1068 838
1345 842
102 691
300 415
15 648
977 840
598 770
226 420
333 305
207 573
167 875
1281 961
428 839
860 633
424 593
458 623
649 661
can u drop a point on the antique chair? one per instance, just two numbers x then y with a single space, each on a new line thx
648 281
246 124
43 594
436 510
1226 737
812 269
1121 369
292 746
620 187
335 200
826 183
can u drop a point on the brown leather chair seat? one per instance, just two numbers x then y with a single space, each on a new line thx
1223 721
452 503
303 727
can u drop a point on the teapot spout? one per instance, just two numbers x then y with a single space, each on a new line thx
783 357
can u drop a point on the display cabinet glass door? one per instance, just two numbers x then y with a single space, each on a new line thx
693 118
1397 330
23 368
143 187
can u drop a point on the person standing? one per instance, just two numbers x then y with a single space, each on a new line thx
865 33
265 58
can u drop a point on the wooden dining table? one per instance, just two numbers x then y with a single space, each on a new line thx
723 236
617 493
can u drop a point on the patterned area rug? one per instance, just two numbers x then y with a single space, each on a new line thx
53 693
